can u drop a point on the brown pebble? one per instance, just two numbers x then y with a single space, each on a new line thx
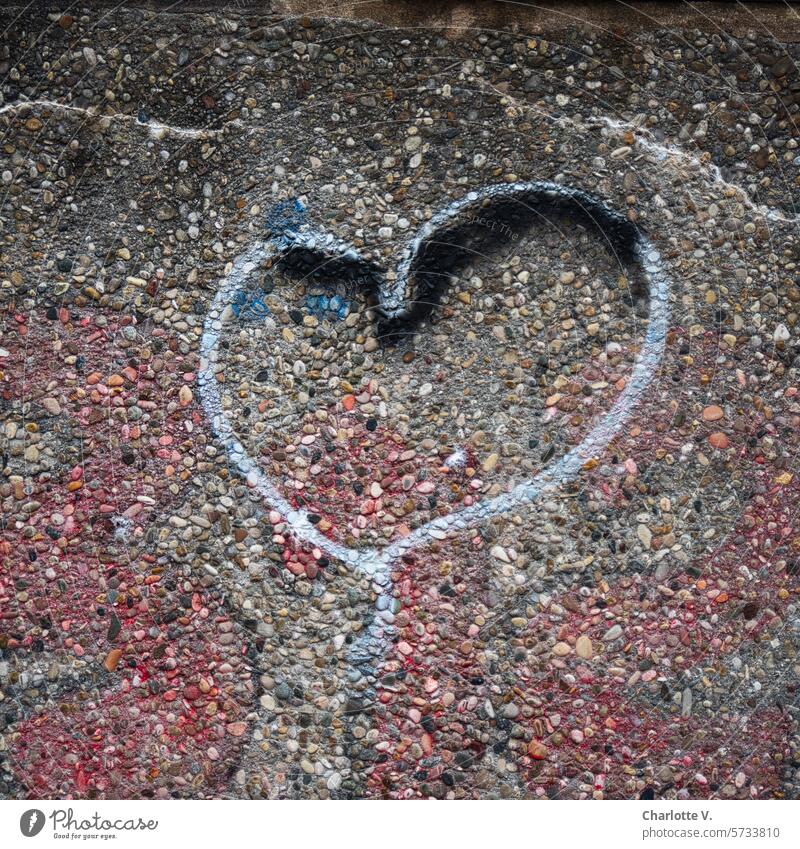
537 750
718 440
112 659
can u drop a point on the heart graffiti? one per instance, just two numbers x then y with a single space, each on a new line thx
421 275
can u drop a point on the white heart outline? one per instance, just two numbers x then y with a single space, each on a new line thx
373 562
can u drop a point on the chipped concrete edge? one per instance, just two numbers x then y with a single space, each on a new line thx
454 18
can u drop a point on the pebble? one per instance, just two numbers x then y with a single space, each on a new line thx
583 647
713 413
